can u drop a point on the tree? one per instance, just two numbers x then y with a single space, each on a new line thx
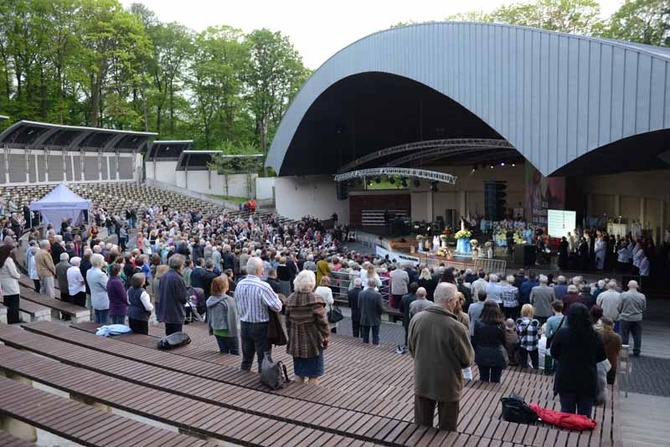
568 16
224 164
273 76
642 21
215 84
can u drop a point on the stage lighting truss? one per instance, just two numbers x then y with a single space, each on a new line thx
460 144
437 153
406 172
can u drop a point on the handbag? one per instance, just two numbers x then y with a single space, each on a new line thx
335 314
274 375
515 409
551 339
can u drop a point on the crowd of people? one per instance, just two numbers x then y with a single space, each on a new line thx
243 273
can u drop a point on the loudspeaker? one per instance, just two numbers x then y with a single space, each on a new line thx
342 190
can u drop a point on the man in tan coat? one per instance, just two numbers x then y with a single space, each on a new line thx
440 346
46 269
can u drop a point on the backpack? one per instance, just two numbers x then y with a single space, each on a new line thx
274 375
173 341
515 409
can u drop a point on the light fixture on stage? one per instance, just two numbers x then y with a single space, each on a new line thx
502 163
513 164
416 182
378 179
491 166
433 186
474 168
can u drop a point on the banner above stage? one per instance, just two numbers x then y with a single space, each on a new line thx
396 256
542 193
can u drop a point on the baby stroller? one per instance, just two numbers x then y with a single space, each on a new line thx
195 305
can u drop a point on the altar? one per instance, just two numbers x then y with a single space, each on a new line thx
463 246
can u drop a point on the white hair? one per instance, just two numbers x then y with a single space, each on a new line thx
611 285
310 257
97 260
601 284
305 281
74 262
543 279
561 280
358 281
493 277
444 292
254 266
64 256
510 279
421 291
573 289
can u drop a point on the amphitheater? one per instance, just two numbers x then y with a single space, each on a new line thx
62 385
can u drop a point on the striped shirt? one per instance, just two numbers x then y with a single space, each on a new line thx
253 298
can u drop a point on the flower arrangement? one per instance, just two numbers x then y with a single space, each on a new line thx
474 243
444 253
518 239
463 234
488 244
443 237
419 237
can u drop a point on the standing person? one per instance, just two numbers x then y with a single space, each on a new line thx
489 342
610 301
118 297
322 269
428 282
526 287
31 265
9 284
528 329
370 306
438 342
206 280
421 303
633 305
46 269
352 297
541 297
578 349
307 329
76 283
255 298
510 297
222 318
555 322
405 303
139 305
97 281
475 311
61 275
612 342
173 295
325 292
399 286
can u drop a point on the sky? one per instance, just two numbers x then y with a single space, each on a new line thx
318 29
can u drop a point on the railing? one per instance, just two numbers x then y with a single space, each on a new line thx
340 282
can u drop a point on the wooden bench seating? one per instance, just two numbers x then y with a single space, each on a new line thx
200 418
9 440
31 311
479 405
81 423
56 308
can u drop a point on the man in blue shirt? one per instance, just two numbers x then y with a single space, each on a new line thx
526 287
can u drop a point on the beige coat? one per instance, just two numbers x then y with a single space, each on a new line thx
440 346
44 264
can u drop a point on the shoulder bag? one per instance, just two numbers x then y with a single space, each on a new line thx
335 314
551 339
274 375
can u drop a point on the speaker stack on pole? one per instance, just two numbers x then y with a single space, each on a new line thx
494 200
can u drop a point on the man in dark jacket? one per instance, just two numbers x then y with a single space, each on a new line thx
370 307
207 278
526 288
173 296
352 296
196 274
405 302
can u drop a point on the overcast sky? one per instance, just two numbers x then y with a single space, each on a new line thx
318 29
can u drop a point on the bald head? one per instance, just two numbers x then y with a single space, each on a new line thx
421 293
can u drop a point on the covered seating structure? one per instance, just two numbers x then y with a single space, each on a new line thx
61 203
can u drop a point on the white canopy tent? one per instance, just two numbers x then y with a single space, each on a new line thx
61 203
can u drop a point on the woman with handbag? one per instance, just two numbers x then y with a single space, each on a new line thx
325 292
489 338
307 328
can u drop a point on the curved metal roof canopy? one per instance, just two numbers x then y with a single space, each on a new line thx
167 150
554 97
36 135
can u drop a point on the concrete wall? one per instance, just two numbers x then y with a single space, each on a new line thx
265 188
163 171
467 195
315 196
208 182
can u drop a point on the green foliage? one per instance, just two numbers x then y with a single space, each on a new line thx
92 62
643 21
